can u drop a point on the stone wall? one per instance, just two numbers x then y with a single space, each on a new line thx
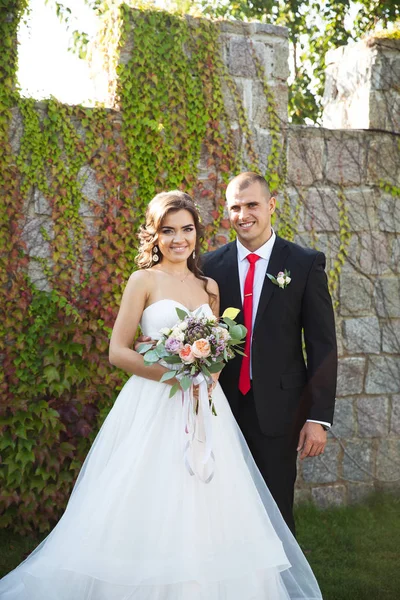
341 181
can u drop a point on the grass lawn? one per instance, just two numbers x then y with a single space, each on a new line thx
354 551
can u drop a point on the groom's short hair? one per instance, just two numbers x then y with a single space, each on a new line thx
247 178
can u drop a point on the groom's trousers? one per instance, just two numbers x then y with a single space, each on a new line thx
275 457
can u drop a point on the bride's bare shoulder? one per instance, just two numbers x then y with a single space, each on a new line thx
212 286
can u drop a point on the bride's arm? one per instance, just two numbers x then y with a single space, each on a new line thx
212 286
132 305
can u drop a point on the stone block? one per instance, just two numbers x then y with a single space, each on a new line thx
305 156
41 204
239 57
395 254
37 277
358 460
383 160
352 251
395 415
362 335
32 234
373 416
387 297
388 461
391 336
362 211
16 130
389 213
383 375
323 468
345 159
259 112
344 425
385 110
356 293
263 142
350 376
359 492
321 209
329 495
302 496
374 253
89 188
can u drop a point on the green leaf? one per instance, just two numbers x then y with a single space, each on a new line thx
216 367
231 313
186 382
238 332
181 313
175 388
229 322
151 357
168 375
51 374
172 360
142 348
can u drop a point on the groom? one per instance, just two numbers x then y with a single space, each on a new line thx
282 403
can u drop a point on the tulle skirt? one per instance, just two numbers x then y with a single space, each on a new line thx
140 526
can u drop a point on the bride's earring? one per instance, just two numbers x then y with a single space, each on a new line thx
194 255
155 256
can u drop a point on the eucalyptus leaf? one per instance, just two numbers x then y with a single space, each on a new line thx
216 367
172 360
175 388
142 348
168 375
229 322
238 332
161 351
186 382
151 356
181 313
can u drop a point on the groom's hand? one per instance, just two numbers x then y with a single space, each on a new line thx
312 440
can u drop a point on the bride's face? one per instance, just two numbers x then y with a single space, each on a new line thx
177 236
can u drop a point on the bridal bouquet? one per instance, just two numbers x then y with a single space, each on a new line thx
196 345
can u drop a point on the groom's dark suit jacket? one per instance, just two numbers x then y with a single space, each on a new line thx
287 388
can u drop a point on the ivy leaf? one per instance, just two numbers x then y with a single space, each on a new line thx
51 374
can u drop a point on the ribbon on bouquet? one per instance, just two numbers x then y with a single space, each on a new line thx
198 425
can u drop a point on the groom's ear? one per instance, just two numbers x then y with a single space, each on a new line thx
272 204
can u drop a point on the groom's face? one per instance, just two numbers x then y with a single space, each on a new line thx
250 212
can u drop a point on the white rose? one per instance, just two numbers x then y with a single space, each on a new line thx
223 334
281 281
165 331
182 326
177 334
288 279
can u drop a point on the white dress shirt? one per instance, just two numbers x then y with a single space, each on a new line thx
261 266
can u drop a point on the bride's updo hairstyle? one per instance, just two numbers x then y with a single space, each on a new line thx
157 210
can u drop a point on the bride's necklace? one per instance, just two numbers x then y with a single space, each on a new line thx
176 277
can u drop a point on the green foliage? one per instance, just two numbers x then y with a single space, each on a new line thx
56 384
314 28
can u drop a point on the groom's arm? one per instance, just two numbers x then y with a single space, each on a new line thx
320 340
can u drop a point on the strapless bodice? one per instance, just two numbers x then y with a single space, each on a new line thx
163 314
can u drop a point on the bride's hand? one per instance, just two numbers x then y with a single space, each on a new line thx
212 385
143 339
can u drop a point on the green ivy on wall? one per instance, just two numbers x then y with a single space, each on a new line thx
56 383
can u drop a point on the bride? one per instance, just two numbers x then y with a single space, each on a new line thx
139 525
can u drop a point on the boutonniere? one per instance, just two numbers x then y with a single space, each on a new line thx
282 279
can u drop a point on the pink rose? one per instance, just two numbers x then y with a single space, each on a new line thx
186 355
201 348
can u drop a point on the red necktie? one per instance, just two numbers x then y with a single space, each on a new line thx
244 377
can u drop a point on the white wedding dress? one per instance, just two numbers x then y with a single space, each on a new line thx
139 526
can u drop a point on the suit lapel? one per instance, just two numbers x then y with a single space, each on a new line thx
231 277
276 264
